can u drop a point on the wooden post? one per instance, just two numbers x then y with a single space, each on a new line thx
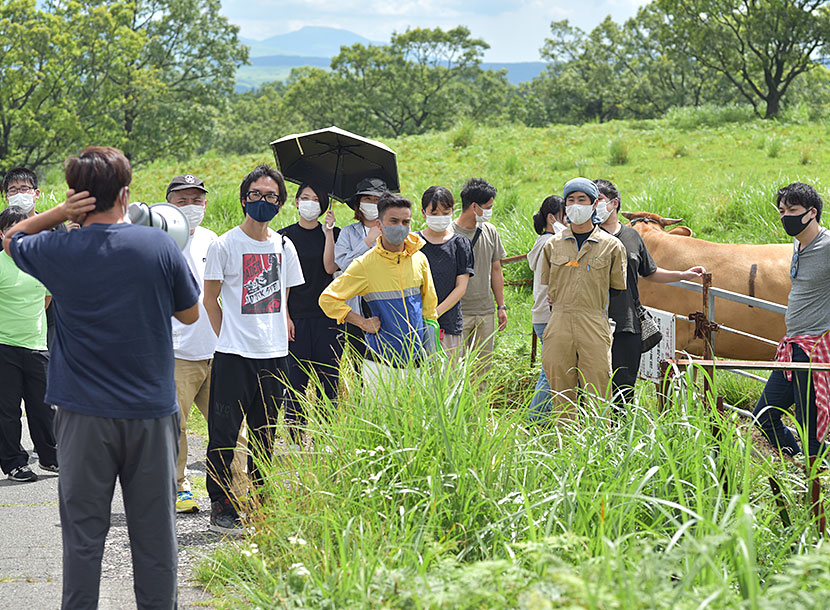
779 500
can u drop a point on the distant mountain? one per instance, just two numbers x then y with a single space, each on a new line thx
309 41
273 58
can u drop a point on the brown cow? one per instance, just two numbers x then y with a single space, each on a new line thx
761 271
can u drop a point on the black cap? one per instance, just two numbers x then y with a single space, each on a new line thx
188 181
371 186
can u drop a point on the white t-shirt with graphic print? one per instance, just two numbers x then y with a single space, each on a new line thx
255 276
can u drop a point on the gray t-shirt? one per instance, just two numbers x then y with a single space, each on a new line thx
808 306
479 300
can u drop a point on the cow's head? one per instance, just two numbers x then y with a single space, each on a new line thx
646 221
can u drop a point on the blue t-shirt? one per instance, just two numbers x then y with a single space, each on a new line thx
118 285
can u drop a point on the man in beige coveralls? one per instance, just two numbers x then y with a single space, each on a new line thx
579 266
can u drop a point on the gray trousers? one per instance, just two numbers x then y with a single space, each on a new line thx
92 452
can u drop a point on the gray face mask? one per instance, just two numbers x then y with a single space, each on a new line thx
395 234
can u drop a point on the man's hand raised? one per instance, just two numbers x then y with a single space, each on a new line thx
78 205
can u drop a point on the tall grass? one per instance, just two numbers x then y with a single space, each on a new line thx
427 496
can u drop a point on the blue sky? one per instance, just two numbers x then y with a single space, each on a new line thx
514 29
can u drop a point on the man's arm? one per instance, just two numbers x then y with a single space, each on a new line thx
75 208
456 295
333 299
189 315
212 289
664 276
497 284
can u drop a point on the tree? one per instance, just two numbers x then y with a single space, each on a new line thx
57 69
406 87
760 46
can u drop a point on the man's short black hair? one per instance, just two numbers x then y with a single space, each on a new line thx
607 188
477 190
19 174
11 216
263 171
801 194
392 200
103 171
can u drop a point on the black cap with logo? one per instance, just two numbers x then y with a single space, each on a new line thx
188 181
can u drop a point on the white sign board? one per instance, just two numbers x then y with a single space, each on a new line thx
650 361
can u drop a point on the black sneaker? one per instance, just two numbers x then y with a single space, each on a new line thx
224 518
22 474
49 467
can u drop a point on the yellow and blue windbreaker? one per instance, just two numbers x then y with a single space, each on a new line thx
398 288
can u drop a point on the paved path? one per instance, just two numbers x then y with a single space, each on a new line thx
30 545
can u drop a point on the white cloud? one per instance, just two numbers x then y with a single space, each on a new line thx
514 30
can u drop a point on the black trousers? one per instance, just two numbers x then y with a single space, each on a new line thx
625 364
241 387
315 351
23 376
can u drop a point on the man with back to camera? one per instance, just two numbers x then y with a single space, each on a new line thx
111 373
194 344
479 325
808 323
580 266
252 268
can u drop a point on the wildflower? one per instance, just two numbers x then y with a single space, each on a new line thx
297 540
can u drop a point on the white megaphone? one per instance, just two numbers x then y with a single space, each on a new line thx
165 216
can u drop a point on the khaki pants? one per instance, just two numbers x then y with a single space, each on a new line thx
453 347
479 334
576 352
193 387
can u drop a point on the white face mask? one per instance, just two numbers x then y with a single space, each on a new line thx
369 210
602 211
486 215
439 224
579 214
24 201
558 227
194 214
309 210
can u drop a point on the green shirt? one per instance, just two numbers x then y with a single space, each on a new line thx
22 307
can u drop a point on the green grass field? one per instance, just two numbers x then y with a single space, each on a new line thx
440 497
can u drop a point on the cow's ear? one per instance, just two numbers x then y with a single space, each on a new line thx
627 215
670 221
684 231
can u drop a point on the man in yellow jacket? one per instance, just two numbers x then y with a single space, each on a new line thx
394 279
580 266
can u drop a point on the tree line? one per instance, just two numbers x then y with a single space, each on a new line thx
156 77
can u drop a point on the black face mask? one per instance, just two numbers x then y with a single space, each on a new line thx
793 225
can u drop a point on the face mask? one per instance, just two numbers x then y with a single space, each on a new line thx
602 212
194 214
369 211
261 210
794 225
558 227
24 201
439 224
309 210
578 213
395 234
486 215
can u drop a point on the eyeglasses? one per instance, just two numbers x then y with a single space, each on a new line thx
794 265
14 190
257 196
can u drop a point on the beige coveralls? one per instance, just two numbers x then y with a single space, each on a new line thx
576 345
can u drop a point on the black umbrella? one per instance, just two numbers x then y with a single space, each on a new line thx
336 160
